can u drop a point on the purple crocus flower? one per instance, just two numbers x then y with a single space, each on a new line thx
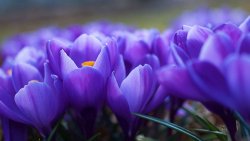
135 94
217 76
144 47
11 117
84 72
35 99
22 86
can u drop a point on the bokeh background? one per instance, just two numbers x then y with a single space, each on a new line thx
27 15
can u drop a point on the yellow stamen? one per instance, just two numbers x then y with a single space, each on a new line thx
9 72
88 63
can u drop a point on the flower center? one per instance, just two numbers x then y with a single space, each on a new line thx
88 63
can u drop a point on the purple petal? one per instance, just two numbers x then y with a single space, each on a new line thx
13 131
180 39
116 99
85 87
161 50
157 99
35 100
195 39
151 60
244 44
245 25
23 73
219 46
137 87
231 30
103 64
113 51
177 82
120 70
135 50
56 85
179 56
237 72
53 48
31 56
85 48
210 81
67 64
118 104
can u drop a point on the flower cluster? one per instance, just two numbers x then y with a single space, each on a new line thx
53 73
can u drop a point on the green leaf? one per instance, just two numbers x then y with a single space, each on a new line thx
211 132
207 124
94 137
170 125
53 131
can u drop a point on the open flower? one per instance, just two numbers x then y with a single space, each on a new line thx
84 68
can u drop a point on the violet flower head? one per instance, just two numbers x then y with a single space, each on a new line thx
136 94
84 68
217 76
35 100
22 88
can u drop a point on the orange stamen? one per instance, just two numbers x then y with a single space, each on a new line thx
88 63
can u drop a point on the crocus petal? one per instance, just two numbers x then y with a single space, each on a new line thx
85 48
210 81
244 44
178 83
245 25
12 113
180 39
22 73
195 39
113 50
31 56
120 70
179 56
151 60
13 131
135 50
231 30
67 64
103 64
35 100
116 99
237 72
47 74
157 99
53 48
161 50
219 46
137 87
85 88
56 85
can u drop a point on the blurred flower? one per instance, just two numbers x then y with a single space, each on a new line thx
209 17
